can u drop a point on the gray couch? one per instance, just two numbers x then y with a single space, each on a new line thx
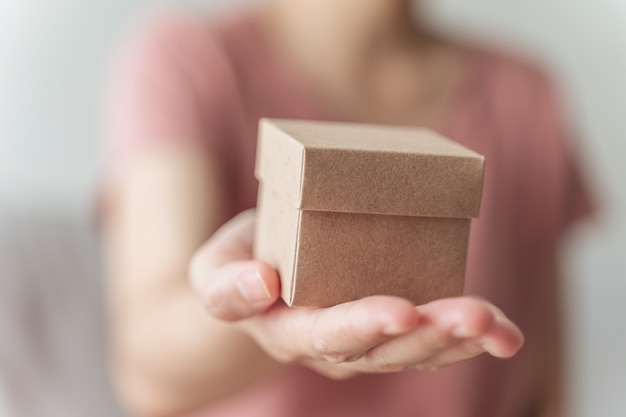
52 338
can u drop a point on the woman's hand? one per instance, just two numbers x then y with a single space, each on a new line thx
374 334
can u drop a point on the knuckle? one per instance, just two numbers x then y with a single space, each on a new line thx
325 352
213 302
386 364
353 358
322 348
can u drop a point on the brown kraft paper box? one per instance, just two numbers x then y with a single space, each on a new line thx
348 210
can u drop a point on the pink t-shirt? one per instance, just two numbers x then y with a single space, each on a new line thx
208 83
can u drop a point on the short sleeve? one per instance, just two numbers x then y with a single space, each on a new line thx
560 186
170 84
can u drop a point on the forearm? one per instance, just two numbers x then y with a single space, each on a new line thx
171 357
168 355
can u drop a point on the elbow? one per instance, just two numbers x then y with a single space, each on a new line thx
140 395
143 379
163 371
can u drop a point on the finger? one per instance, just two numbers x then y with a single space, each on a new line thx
237 290
231 242
443 324
504 339
457 353
340 333
230 286
336 371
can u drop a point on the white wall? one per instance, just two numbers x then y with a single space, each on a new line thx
52 53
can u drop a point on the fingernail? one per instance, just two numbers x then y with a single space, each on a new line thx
252 286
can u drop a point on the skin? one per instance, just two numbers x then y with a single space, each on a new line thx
181 286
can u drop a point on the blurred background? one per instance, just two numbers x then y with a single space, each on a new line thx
53 56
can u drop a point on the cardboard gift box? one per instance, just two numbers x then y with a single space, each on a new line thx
348 210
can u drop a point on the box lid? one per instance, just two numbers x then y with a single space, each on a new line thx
359 168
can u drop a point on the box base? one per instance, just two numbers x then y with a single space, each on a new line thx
328 258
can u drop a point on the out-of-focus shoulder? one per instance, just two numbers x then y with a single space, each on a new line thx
165 25
513 85
171 80
174 29
182 50
522 70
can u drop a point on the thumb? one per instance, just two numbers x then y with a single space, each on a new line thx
237 290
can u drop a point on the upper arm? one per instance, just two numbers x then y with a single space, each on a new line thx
168 153
163 207
160 207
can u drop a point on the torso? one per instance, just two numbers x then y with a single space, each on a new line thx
498 107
